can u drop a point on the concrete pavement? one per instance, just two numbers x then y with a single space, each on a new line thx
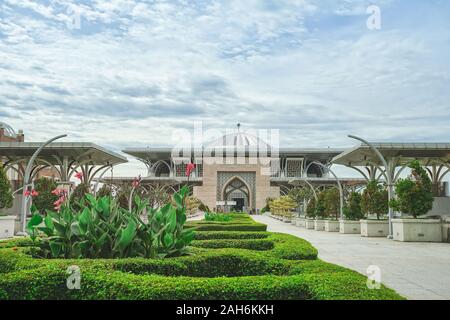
414 270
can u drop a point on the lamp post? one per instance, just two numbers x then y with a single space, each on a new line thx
388 177
27 182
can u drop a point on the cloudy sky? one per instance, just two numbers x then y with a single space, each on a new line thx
127 73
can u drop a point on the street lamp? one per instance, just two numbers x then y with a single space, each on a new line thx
27 183
388 177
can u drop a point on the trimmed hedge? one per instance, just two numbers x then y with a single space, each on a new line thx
251 244
239 222
223 265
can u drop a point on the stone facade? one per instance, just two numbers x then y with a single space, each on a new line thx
209 192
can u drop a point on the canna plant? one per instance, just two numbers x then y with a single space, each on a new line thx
102 229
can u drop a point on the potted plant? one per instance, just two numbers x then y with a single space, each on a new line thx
414 198
319 223
332 204
7 222
300 195
310 214
374 204
353 214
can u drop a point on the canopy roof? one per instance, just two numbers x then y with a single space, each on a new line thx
88 153
154 154
404 153
328 181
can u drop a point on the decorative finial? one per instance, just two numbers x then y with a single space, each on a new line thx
238 127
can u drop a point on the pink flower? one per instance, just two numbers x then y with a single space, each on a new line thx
56 192
33 193
136 182
79 175
189 168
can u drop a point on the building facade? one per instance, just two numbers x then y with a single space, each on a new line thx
238 171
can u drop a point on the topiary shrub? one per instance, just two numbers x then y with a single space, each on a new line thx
321 206
6 197
414 194
352 209
45 200
332 203
311 208
375 199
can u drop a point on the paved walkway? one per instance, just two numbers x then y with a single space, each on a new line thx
414 270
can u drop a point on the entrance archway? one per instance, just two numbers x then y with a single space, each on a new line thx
238 191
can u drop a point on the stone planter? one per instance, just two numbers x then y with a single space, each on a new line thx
309 224
417 230
446 230
7 226
301 222
319 225
349 227
331 226
374 228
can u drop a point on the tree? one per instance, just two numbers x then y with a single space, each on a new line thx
353 210
414 194
45 200
321 208
332 202
6 197
311 208
375 199
299 194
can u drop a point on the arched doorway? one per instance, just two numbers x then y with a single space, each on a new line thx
237 190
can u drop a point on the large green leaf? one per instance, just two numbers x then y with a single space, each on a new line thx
76 229
127 235
171 220
35 220
168 240
49 222
84 220
178 200
55 248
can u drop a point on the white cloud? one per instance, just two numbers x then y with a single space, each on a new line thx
137 69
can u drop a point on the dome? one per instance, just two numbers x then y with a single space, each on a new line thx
238 140
8 130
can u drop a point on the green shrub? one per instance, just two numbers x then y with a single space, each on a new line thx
251 244
210 216
241 265
101 229
352 210
211 235
311 208
375 199
414 194
238 222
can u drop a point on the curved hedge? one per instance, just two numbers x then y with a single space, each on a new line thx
223 265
